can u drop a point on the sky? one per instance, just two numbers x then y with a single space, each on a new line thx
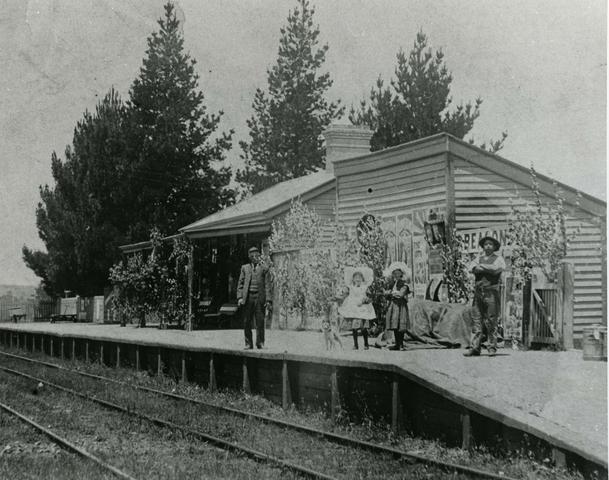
539 67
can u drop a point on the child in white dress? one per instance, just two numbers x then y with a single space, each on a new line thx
357 308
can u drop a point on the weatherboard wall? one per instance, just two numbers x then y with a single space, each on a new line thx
484 199
391 182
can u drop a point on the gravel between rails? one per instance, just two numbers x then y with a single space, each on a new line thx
139 448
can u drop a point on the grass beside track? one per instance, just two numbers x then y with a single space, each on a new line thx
139 448
319 455
27 454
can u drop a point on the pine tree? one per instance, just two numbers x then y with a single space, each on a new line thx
285 129
416 103
81 219
174 150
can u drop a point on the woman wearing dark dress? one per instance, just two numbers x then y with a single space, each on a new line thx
397 291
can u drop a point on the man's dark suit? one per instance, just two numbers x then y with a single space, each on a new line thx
254 304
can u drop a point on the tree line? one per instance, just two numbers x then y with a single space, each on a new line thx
157 159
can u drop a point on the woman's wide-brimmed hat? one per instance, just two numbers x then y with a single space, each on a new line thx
494 241
365 272
401 266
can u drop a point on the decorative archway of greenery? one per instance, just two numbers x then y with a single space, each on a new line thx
311 271
455 261
156 285
537 233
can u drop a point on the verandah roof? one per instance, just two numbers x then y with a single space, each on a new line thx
257 212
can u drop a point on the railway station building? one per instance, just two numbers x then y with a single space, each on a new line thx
437 180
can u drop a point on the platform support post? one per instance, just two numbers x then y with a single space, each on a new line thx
335 398
18 347
137 358
286 393
10 339
33 343
101 353
51 347
118 355
184 376
41 343
159 367
61 345
87 351
559 457
246 377
466 431
395 406
73 349
212 374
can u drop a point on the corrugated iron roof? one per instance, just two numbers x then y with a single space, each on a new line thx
253 208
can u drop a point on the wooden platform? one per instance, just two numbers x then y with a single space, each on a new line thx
553 403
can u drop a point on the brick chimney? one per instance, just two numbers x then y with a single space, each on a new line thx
345 141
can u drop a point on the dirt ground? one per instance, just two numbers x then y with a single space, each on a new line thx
557 393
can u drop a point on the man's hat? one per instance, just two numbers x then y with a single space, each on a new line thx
494 241
252 250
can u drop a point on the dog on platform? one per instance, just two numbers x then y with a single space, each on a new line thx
331 325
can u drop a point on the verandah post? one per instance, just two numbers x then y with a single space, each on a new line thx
190 287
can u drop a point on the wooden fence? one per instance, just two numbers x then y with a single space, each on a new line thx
34 311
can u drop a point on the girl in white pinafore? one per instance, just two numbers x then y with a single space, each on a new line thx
357 308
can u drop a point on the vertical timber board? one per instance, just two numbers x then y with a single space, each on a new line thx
18 341
212 374
118 355
33 342
87 351
246 378
559 458
101 353
137 358
51 347
159 364
567 275
466 431
184 375
335 395
395 406
286 394
73 356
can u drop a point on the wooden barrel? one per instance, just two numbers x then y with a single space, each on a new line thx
594 343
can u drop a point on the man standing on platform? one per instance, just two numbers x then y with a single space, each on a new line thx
254 293
487 269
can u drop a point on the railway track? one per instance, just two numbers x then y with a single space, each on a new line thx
66 444
216 441
407 457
